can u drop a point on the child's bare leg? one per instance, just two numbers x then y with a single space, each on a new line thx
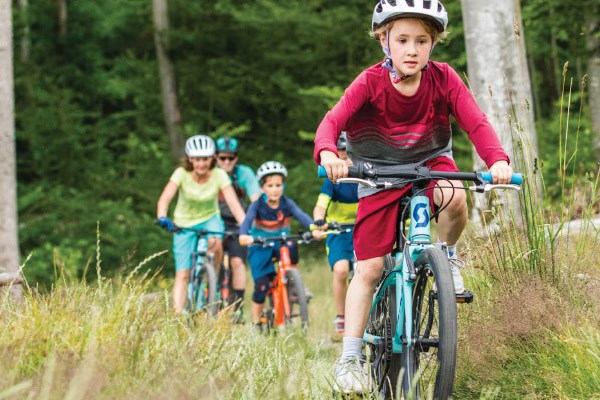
360 294
340 279
215 246
256 312
180 290
452 220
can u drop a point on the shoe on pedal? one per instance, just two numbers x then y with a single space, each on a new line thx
455 267
350 376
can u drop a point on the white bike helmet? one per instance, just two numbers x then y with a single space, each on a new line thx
387 10
270 168
199 146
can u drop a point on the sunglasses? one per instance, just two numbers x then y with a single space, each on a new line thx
228 158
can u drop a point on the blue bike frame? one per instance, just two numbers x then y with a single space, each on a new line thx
419 238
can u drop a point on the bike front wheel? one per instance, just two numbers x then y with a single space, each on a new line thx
430 362
202 290
298 303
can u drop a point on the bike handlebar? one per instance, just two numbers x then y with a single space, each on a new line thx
204 232
364 171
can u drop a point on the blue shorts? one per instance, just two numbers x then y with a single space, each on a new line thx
261 258
339 247
186 242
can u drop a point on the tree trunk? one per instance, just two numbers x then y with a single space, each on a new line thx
25 38
61 17
9 237
500 82
593 45
167 78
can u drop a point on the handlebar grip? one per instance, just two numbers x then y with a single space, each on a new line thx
321 172
516 179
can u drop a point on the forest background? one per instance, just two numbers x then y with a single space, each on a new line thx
92 147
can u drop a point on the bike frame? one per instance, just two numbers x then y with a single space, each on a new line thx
279 290
419 239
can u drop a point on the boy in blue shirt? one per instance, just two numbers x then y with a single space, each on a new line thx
269 216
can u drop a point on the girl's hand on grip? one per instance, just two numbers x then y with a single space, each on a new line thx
336 167
501 172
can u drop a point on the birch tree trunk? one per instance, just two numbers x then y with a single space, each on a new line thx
500 81
168 85
9 237
593 46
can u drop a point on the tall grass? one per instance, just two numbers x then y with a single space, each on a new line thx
109 341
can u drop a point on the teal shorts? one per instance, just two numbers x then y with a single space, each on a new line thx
186 242
339 247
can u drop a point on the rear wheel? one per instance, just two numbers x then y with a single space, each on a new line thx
430 363
297 300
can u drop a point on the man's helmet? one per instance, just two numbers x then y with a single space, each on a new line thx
270 168
227 144
342 141
387 10
199 146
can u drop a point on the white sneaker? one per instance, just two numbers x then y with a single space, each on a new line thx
455 267
350 376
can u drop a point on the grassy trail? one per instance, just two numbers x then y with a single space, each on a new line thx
522 340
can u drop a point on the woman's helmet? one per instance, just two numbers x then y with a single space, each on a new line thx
270 168
387 10
342 141
227 144
199 146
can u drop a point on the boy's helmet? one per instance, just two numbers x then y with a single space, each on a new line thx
270 168
199 146
387 10
342 141
227 144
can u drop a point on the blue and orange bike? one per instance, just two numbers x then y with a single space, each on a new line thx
412 327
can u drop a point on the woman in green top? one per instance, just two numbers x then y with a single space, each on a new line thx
198 185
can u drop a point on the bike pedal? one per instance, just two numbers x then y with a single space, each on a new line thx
464 297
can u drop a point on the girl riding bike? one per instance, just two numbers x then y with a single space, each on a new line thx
198 184
397 112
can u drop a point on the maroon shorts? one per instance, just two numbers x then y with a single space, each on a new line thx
377 217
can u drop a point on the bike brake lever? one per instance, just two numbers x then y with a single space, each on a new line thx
489 187
357 180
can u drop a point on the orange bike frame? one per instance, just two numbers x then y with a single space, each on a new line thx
281 304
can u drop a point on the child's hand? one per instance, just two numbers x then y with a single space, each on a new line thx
336 167
501 172
318 235
246 240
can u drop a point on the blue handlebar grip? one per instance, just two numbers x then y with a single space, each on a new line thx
516 179
321 172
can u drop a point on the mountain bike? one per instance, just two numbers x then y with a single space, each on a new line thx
206 292
287 303
412 329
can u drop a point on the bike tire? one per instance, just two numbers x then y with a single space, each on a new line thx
297 300
386 375
431 362
203 291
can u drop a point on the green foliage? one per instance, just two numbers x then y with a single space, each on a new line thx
91 142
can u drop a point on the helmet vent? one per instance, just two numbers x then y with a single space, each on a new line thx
410 3
440 7
392 3
427 4
379 8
